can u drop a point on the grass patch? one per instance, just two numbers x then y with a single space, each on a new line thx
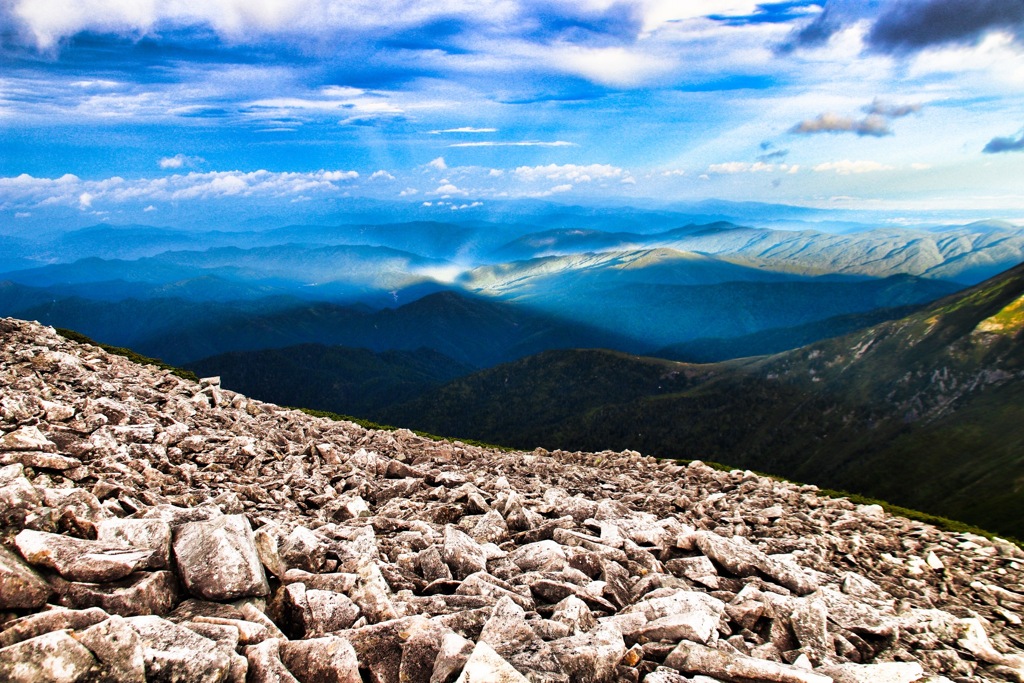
80 338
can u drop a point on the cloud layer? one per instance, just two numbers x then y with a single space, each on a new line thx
148 102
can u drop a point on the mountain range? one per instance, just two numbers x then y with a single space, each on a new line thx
640 289
785 351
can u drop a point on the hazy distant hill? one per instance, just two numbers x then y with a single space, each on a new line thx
925 410
631 280
967 254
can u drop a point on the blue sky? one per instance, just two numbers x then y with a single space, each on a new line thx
126 109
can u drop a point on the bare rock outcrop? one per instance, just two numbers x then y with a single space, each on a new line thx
154 529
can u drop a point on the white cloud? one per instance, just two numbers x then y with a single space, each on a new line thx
447 189
522 143
732 167
381 174
464 129
571 172
439 164
149 209
358 105
245 20
557 189
69 190
495 173
613 66
180 160
408 192
847 167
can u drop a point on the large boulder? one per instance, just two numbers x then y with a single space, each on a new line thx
217 559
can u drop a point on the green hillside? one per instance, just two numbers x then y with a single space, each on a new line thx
925 411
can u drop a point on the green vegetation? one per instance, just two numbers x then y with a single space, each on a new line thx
127 353
923 411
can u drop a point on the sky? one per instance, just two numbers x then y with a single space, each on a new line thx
139 110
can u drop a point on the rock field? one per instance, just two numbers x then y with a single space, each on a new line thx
154 529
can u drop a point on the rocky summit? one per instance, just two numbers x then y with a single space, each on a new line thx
158 529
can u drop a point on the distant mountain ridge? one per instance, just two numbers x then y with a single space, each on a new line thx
538 279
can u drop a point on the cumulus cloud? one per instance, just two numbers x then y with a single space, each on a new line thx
570 172
70 190
847 167
1005 144
180 161
829 122
447 189
438 164
381 175
522 143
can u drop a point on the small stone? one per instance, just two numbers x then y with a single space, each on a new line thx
462 554
138 594
52 620
484 664
451 657
693 658
265 665
20 586
154 534
40 460
742 559
542 556
174 653
590 657
885 672
118 648
507 631
574 613
53 657
321 660
80 560
26 439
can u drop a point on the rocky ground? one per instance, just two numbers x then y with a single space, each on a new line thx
154 529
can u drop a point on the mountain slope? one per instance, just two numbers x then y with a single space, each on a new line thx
335 378
924 411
